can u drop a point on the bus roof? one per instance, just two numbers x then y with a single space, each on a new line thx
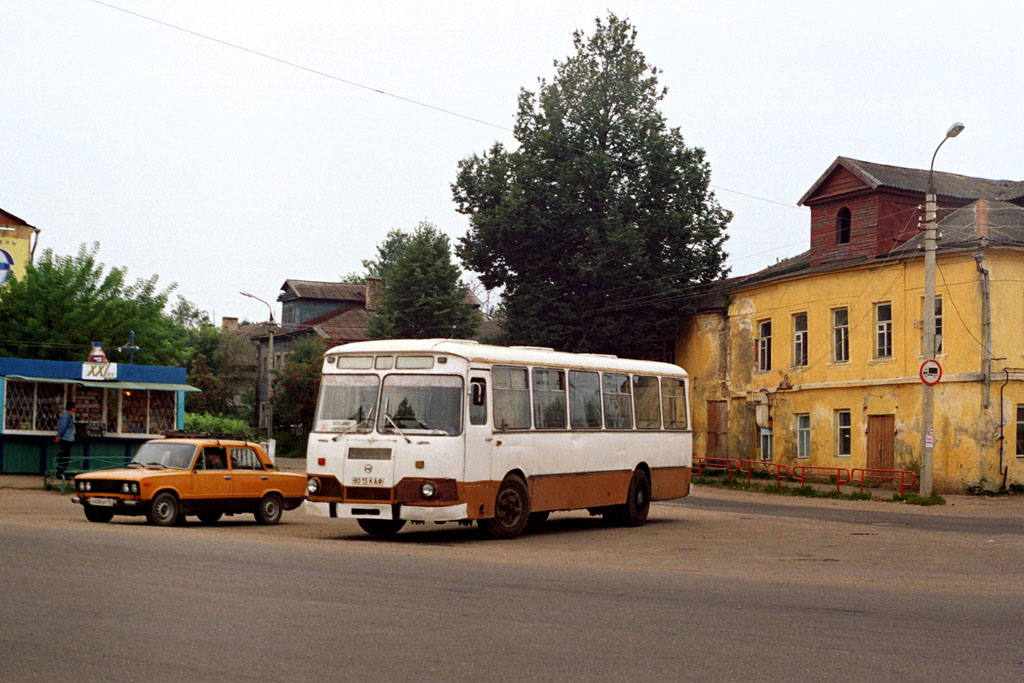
475 352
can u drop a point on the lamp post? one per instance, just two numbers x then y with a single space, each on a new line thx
928 340
270 368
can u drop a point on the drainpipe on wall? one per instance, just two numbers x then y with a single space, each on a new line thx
986 327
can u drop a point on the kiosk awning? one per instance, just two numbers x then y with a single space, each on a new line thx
112 384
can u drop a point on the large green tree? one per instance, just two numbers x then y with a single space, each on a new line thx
600 226
63 303
423 296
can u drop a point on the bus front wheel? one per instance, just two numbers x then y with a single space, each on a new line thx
511 510
638 502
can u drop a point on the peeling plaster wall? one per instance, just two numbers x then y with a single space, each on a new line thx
719 354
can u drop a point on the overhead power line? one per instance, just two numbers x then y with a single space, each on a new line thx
363 86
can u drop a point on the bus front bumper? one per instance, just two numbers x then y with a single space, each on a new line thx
417 513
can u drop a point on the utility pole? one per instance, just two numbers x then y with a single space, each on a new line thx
270 368
928 341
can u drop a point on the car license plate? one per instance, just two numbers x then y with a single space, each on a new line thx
102 502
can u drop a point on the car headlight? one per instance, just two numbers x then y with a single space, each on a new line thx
135 487
312 485
125 488
88 486
428 489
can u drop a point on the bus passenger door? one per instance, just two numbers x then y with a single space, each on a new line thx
479 444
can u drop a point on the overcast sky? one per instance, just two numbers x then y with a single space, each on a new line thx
222 170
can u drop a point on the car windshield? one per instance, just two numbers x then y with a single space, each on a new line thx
346 403
174 455
422 404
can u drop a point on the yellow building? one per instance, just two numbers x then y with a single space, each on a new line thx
816 360
15 246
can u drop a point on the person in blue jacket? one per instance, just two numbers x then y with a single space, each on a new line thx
65 437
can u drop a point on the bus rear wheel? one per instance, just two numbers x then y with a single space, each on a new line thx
381 527
511 510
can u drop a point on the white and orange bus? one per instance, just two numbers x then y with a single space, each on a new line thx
446 430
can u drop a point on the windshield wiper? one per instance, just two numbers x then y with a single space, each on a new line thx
388 418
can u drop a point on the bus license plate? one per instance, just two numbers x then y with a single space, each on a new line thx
102 502
367 481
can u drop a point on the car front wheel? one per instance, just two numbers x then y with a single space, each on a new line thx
164 510
100 515
269 511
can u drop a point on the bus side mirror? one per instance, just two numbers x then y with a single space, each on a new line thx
478 393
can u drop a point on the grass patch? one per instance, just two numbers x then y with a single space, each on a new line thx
804 491
917 499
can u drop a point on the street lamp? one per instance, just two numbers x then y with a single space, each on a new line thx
928 340
270 368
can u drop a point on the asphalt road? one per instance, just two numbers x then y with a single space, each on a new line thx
722 586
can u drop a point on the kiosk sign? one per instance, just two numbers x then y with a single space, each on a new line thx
99 370
931 372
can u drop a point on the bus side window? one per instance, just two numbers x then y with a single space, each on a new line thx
478 402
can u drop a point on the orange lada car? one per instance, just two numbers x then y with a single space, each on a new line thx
205 476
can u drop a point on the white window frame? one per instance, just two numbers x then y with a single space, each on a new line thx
841 336
764 444
938 328
803 436
799 340
883 331
764 345
840 430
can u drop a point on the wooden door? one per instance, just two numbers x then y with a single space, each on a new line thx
881 441
717 430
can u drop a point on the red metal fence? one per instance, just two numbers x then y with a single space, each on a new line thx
799 473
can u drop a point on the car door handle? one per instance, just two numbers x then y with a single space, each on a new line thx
264 477
227 476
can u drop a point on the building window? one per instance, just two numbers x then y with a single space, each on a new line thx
766 445
840 335
764 345
844 432
800 339
938 328
843 226
803 436
883 330
1020 430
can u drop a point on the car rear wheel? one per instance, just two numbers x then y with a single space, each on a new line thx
100 515
269 511
164 510
381 527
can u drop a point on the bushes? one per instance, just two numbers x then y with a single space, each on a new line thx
216 424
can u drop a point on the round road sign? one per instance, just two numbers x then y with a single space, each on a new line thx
931 372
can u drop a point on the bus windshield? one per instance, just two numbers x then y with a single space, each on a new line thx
347 403
422 404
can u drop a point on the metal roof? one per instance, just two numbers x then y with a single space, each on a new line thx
916 180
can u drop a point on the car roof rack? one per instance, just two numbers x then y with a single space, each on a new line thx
181 434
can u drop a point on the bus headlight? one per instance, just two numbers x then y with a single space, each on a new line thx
312 485
428 489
